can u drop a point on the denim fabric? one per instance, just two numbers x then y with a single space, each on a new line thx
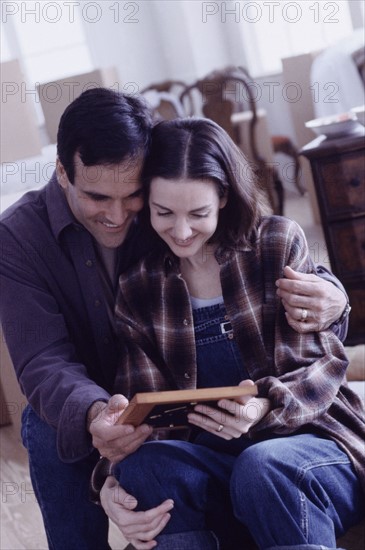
202 540
71 521
219 361
298 492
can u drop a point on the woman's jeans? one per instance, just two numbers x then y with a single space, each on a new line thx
71 521
298 492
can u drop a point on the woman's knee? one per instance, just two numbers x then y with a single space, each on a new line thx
258 469
149 461
162 466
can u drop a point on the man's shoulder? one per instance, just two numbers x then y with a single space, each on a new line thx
23 213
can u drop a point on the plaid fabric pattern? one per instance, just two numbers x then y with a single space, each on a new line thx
301 374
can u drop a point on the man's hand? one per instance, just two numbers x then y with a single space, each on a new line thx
310 302
114 441
233 418
139 528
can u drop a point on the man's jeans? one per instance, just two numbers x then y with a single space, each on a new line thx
71 521
297 492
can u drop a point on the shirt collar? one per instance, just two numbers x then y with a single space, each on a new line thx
60 215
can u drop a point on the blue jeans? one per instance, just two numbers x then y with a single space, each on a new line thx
291 493
71 521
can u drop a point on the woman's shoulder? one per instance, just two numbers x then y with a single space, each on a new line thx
278 228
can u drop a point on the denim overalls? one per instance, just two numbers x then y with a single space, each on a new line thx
219 362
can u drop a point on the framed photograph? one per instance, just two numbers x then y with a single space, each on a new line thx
169 409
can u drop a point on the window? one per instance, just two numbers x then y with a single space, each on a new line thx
47 37
272 30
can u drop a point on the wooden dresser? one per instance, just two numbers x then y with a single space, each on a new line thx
338 168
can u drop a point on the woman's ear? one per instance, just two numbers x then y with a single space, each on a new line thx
61 174
223 200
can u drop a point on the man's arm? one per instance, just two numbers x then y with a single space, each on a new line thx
54 381
314 303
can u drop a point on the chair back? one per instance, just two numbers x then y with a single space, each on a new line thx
220 96
163 98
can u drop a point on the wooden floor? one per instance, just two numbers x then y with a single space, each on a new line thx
21 526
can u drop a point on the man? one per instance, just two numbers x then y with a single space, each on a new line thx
61 251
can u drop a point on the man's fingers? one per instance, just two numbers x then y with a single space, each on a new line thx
146 519
150 531
303 328
120 496
115 407
289 273
139 545
289 289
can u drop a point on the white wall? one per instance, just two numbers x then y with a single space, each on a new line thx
173 40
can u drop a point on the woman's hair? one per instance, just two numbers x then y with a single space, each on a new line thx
198 149
104 127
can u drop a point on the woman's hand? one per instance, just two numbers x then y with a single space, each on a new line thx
233 418
139 528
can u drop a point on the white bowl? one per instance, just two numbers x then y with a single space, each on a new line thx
359 113
335 125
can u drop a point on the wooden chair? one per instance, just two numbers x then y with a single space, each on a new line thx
281 144
358 57
163 98
218 96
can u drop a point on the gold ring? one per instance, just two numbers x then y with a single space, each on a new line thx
304 315
220 428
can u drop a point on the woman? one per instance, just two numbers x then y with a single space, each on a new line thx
287 466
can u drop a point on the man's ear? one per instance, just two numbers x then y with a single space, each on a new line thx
61 174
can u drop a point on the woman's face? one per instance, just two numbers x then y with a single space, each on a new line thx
185 214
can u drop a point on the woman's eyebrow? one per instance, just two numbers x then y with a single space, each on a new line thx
205 207
159 205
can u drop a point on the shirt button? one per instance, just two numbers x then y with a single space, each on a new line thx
226 317
89 263
186 322
230 336
187 376
97 303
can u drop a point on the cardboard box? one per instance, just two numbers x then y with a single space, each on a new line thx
20 137
55 96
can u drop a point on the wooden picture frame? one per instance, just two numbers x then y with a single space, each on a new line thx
169 409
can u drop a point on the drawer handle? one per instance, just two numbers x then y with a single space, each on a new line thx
355 182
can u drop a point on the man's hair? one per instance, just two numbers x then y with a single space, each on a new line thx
103 127
198 149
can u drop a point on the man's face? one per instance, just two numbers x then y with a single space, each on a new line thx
104 199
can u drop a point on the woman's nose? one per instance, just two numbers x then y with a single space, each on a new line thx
182 230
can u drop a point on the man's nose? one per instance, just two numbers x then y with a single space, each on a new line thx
117 213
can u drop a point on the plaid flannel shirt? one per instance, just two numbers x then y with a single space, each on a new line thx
303 375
